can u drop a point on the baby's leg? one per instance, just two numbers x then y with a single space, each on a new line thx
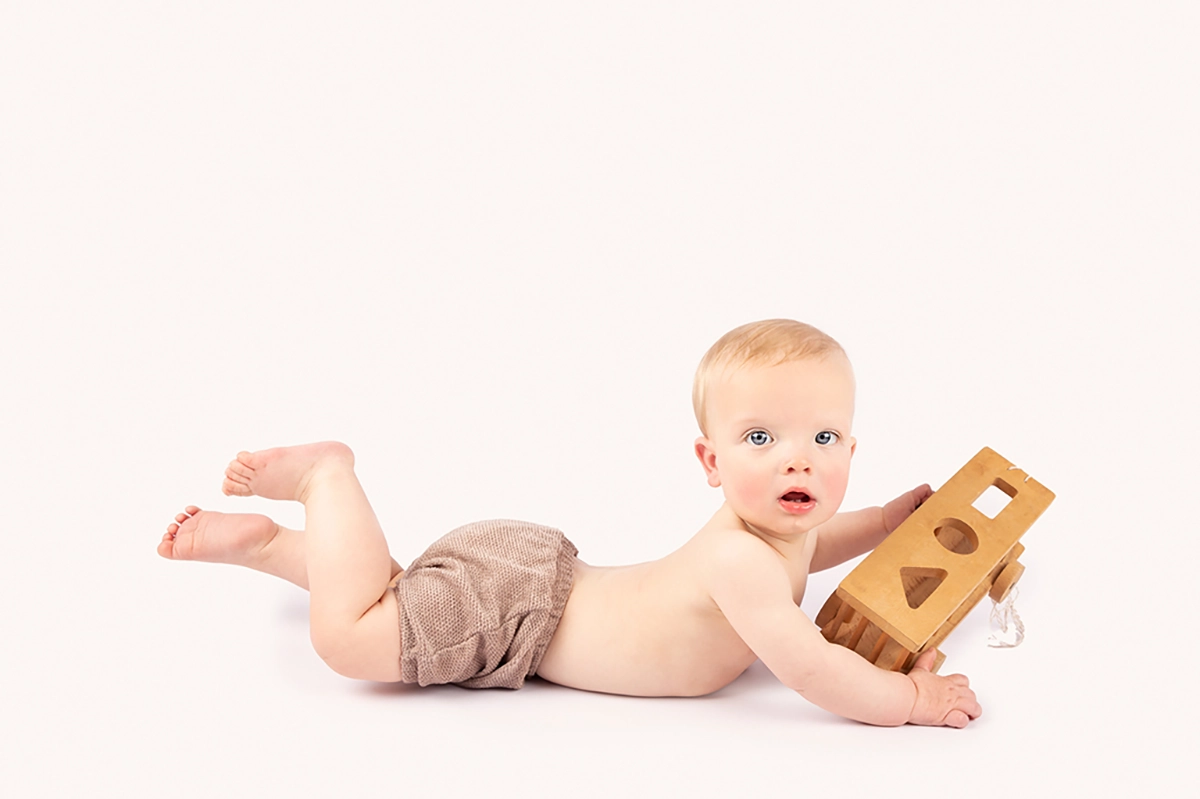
352 614
243 539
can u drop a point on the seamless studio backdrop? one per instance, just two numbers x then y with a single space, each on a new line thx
485 245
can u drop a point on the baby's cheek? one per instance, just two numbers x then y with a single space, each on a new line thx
751 488
838 483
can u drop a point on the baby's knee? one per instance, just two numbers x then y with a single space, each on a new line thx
347 663
329 642
367 649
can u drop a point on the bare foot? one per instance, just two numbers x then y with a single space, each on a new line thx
284 472
238 538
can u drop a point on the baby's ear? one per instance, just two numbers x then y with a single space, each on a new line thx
708 459
853 444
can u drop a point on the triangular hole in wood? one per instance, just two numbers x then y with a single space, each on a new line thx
919 583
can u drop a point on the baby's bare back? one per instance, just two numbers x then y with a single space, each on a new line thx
651 629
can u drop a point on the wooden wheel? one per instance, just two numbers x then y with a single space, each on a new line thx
1005 580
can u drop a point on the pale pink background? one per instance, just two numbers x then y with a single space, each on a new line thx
485 244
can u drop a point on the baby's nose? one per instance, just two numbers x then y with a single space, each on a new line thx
796 461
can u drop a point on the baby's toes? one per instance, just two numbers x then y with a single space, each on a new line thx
243 465
188 512
239 473
235 489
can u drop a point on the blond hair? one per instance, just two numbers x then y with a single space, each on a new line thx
766 343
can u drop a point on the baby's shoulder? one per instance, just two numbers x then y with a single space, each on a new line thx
728 551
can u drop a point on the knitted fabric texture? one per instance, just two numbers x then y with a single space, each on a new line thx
480 606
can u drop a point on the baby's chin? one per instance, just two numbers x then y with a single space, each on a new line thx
785 527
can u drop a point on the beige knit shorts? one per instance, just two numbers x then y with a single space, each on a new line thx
479 607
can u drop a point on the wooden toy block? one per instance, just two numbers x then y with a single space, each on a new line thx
913 590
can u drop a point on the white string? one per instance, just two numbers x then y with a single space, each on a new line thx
1005 623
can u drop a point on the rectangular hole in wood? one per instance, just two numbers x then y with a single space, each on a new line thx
994 499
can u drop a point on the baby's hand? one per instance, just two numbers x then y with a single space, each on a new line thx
902 506
941 701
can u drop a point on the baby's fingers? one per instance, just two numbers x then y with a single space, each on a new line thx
964 707
957 719
964 711
968 705
943 701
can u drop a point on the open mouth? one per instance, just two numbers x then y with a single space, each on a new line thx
797 502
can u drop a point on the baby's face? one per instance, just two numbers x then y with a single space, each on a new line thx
779 443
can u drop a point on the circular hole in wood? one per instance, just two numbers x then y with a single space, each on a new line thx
956 536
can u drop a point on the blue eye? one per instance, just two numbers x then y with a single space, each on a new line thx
759 438
826 437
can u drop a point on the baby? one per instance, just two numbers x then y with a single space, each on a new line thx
493 603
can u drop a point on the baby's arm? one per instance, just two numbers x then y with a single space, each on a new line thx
753 592
848 535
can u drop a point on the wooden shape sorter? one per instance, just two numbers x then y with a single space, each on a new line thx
906 596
